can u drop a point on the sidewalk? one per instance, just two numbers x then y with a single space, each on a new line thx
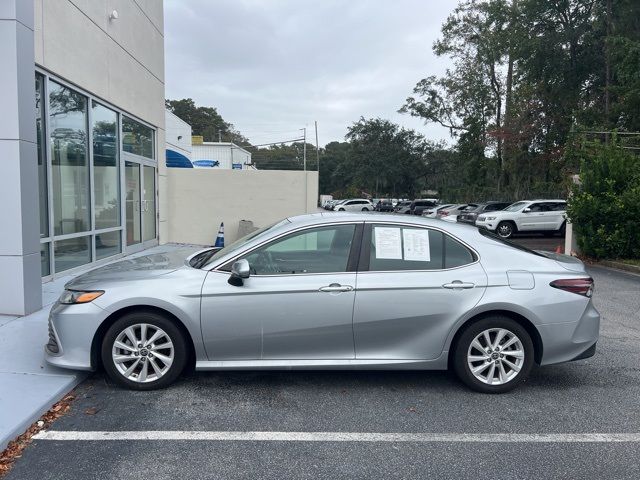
28 385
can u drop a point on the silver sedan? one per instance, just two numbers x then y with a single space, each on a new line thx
332 291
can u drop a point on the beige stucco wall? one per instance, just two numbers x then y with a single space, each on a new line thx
200 199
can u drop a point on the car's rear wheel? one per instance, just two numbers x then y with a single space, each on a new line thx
493 355
505 229
365 209
144 351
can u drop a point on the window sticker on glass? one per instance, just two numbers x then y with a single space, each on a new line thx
387 243
416 245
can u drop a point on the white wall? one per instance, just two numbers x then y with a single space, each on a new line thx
200 199
176 127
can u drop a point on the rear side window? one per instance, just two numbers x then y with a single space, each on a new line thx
394 248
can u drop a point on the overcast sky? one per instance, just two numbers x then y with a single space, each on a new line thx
271 67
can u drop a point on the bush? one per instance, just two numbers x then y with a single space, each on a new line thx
605 207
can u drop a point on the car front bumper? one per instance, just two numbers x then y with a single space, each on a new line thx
488 224
72 329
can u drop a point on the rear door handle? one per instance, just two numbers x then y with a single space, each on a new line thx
336 287
458 284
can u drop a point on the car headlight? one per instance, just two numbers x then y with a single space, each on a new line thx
69 297
481 218
489 218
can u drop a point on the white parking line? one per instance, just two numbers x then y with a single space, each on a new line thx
194 435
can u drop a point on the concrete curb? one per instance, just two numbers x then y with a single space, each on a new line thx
619 266
44 404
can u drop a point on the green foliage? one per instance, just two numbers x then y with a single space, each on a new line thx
205 121
605 207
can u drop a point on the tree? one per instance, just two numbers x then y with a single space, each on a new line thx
205 121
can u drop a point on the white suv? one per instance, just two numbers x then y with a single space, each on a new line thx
546 216
355 205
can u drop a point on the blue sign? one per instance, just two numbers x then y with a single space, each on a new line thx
237 166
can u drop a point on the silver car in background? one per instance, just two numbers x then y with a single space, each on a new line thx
332 291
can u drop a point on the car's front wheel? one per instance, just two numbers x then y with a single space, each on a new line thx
505 229
493 355
365 209
144 351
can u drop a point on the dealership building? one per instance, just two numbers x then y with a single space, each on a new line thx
81 132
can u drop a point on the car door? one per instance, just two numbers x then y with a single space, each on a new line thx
297 303
532 217
413 285
553 215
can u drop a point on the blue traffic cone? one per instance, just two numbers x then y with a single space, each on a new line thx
220 237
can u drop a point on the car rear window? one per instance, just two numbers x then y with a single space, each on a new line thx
496 238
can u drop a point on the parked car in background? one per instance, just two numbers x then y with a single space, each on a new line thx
419 206
450 214
545 216
402 206
358 291
433 211
471 212
332 203
384 205
354 205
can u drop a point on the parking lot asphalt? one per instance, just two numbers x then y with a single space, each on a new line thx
600 395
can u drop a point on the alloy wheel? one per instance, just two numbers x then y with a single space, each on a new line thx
143 353
495 356
505 230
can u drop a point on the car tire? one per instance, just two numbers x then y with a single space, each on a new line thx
365 209
563 229
500 374
505 229
341 209
151 367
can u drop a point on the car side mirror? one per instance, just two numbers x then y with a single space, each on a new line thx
239 271
526 210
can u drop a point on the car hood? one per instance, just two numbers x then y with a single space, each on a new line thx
147 266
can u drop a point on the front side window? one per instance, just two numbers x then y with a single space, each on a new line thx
317 250
395 248
137 138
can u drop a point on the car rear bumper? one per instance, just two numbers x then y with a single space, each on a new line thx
489 225
71 331
564 342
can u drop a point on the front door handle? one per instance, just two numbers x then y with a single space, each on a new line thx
336 287
458 284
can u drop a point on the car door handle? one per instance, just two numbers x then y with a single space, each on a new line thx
458 284
336 287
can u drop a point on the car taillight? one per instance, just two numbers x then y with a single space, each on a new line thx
581 286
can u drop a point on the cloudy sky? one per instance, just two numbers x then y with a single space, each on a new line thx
271 67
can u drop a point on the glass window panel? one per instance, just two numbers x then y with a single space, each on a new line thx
137 138
42 162
106 184
405 257
149 203
320 250
456 254
70 168
132 206
71 253
108 244
45 265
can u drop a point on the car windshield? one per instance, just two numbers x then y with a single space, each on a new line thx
238 244
514 207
